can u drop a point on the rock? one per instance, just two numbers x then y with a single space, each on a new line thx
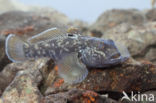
26 23
3 58
21 23
80 25
151 15
25 80
77 96
21 19
30 80
13 5
27 69
7 75
54 16
131 76
96 33
112 18
150 55
24 87
140 40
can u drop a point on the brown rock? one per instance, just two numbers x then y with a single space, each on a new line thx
130 76
21 23
3 58
31 23
77 96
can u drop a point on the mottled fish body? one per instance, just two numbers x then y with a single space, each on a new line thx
71 52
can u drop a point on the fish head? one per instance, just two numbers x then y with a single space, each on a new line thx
115 52
102 53
109 48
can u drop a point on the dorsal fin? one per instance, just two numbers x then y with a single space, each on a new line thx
45 35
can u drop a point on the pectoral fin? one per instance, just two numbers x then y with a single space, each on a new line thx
72 69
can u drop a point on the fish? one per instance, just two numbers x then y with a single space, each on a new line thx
73 53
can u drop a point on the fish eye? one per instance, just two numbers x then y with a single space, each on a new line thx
75 36
70 34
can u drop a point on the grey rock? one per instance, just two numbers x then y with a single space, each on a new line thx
151 55
13 5
23 83
112 18
151 15
140 40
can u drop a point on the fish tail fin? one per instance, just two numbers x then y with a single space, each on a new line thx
14 48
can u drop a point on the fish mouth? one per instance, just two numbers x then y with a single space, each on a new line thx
118 57
115 56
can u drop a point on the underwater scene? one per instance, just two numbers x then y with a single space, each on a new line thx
81 51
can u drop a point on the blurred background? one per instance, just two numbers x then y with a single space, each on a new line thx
88 10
